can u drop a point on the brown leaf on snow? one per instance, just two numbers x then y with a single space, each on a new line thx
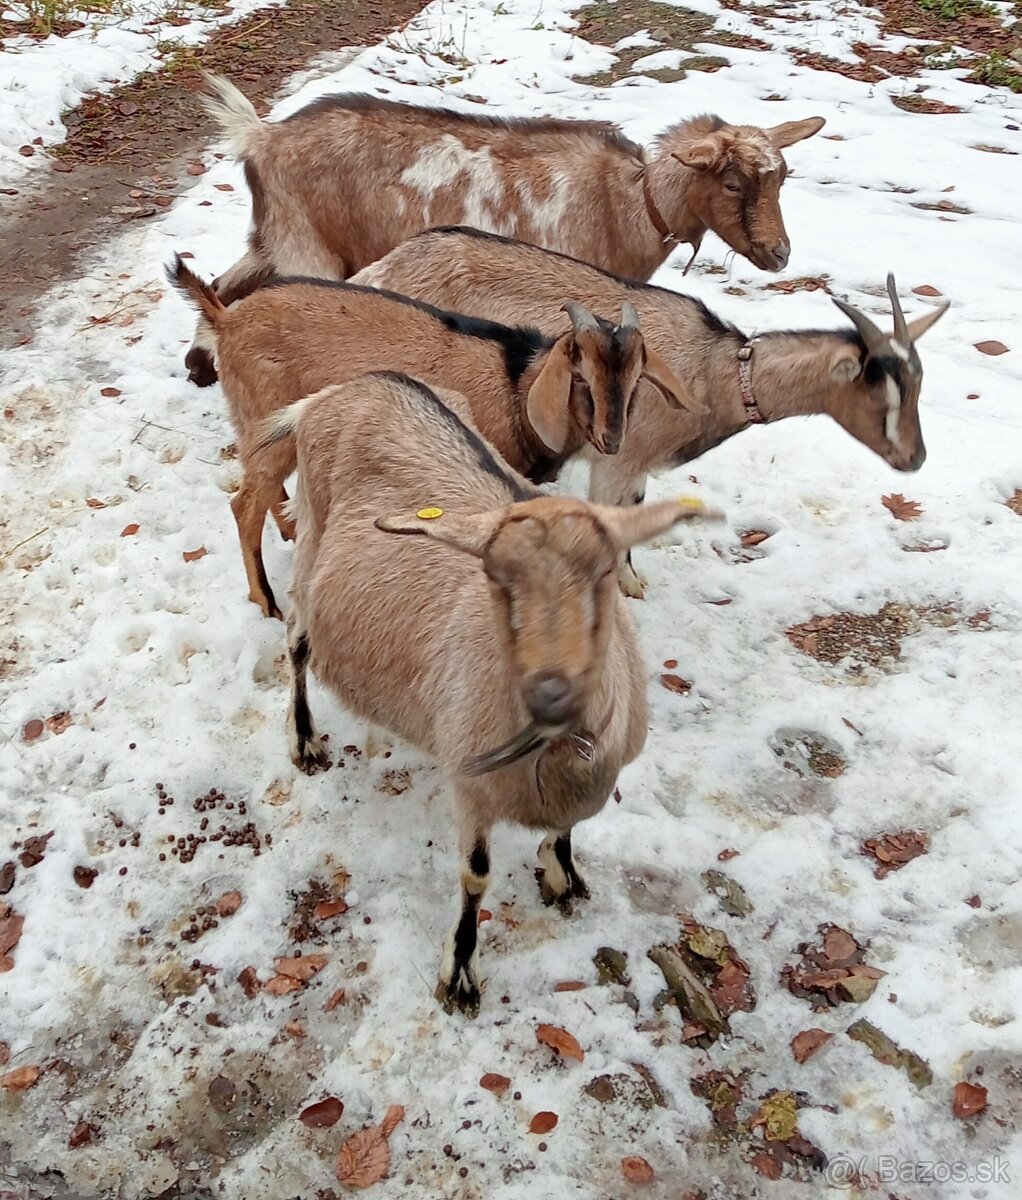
767 1166
129 530
364 1159
196 168
969 1100
302 968
636 1170
570 985
560 1041
11 924
280 985
805 1044
543 1122
5 1054
109 391
84 876
228 904
834 973
193 555
59 722
224 187
991 347
32 730
753 537
249 981
893 850
322 1114
81 1135
92 502
675 683
926 289
337 998
900 508
330 908
1014 502
19 1079
498 1084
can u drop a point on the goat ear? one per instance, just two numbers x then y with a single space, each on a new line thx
640 522
791 132
919 326
845 366
470 534
703 155
548 404
660 375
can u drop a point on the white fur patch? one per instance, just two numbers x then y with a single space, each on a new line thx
444 161
546 214
900 350
893 412
553 872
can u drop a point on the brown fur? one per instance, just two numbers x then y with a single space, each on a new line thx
287 341
343 181
793 374
438 637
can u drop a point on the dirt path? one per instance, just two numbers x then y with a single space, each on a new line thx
126 152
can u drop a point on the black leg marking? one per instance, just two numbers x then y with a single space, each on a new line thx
264 583
308 755
458 987
577 889
479 860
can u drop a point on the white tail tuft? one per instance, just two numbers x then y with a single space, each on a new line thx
233 112
283 423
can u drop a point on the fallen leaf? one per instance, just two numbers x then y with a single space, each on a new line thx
84 876
484 916
59 722
322 1114
675 683
337 998
364 1159
228 904
250 984
560 1041
294 1029
1014 502
636 1170
196 168
19 1079
839 946
280 985
129 530
900 508
81 1135
893 850
776 1117
11 924
974 902
330 908
26 151
727 853
92 502
193 555
302 968
991 347
543 1122
498 1084
109 391
926 289
5 1054
753 537
670 663
7 875
32 730
224 187
970 1099
886 1051
805 1044
767 1165
570 985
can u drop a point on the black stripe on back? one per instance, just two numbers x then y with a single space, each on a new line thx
519 344
484 456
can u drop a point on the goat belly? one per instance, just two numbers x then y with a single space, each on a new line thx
568 788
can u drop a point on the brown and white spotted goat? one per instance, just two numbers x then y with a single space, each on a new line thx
347 178
866 380
539 400
495 640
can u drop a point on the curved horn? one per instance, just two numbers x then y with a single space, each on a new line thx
582 320
629 317
876 342
900 328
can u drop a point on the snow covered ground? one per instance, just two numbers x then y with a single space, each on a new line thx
156 671
40 80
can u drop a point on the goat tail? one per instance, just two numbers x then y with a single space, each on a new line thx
233 112
196 291
282 424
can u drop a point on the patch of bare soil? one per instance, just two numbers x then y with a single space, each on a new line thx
126 151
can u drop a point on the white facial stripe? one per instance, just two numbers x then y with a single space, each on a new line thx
900 350
893 413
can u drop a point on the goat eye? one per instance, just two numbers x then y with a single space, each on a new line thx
732 187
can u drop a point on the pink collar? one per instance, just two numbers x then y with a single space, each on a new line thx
752 410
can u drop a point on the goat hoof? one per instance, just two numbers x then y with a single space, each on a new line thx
575 889
312 759
461 993
630 583
201 371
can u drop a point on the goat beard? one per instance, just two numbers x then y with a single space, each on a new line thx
533 738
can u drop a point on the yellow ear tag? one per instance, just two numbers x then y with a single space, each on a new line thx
692 502
429 514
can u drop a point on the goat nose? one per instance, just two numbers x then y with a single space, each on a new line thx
549 696
782 252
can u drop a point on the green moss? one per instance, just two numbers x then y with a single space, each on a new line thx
997 70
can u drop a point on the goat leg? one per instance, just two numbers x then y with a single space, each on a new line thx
559 880
306 751
609 485
458 985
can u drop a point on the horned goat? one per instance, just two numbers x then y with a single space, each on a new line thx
496 640
866 380
538 399
346 178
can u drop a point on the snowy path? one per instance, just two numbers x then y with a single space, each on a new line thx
114 469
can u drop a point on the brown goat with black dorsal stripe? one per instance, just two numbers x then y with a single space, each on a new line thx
539 400
342 181
495 640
